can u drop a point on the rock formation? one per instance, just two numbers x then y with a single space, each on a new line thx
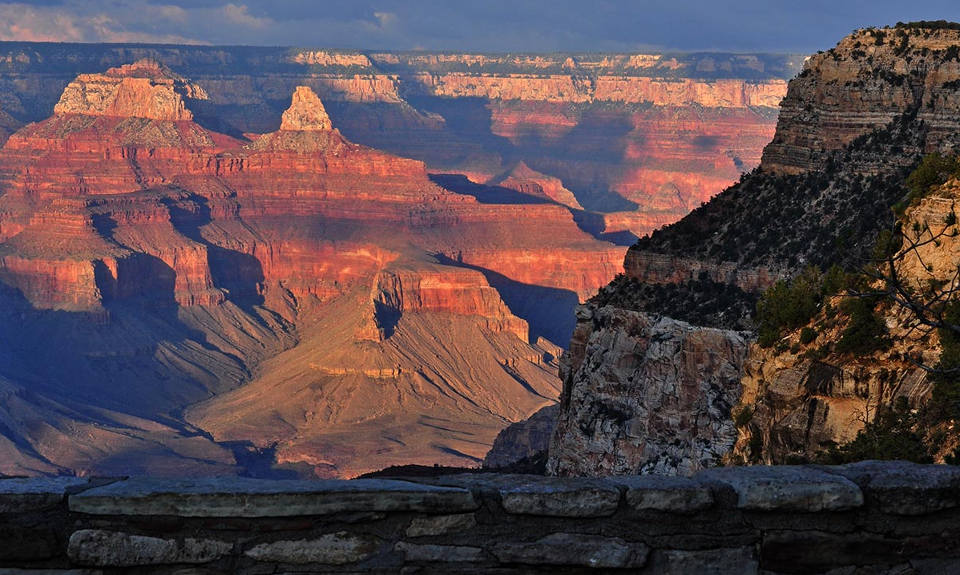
645 394
298 297
854 123
524 441
302 300
306 112
143 89
865 82
798 402
639 138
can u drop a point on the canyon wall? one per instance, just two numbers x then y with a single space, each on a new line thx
855 122
873 517
640 138
320 263
268 289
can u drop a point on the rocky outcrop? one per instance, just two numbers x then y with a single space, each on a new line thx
645 394
306 112
524 440
870 78
532 183
802 397
442 289
854 124
144 89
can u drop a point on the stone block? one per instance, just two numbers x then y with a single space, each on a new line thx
729 561
39 571
19 543
664 493
441 525
439 553
114 549
561 498
243 497
904 488
786 488
817 551
573 549
332 549
22 494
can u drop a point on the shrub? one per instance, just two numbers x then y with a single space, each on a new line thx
835 280
934 171
866 332
807 335
788 305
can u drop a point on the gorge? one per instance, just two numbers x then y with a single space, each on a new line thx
202 273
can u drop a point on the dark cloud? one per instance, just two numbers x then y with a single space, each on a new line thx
492 25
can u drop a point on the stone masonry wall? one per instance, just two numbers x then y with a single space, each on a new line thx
867 518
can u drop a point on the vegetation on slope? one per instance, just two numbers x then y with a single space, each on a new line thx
864 298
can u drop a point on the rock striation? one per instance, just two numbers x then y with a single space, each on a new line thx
864 83
639 138
144 89
315 271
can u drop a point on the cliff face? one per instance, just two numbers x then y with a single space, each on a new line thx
854 123
645 394
639 138
800 406
870 78
140 90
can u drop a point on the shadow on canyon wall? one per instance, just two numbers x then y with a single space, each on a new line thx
549 311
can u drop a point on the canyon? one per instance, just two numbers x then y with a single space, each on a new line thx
328 264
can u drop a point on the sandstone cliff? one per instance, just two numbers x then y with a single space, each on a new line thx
645 137
143 89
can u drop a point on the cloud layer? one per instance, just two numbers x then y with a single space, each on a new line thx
491 25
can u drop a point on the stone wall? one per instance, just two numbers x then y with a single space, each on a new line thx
867 518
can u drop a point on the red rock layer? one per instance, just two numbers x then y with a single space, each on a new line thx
667 160
387 278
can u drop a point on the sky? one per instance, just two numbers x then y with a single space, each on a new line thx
797 26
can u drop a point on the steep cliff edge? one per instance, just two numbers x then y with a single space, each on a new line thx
856 121
645 394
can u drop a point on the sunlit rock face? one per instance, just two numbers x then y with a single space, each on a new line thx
332 261
640 139
295 298
306 113
144 89
867 80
